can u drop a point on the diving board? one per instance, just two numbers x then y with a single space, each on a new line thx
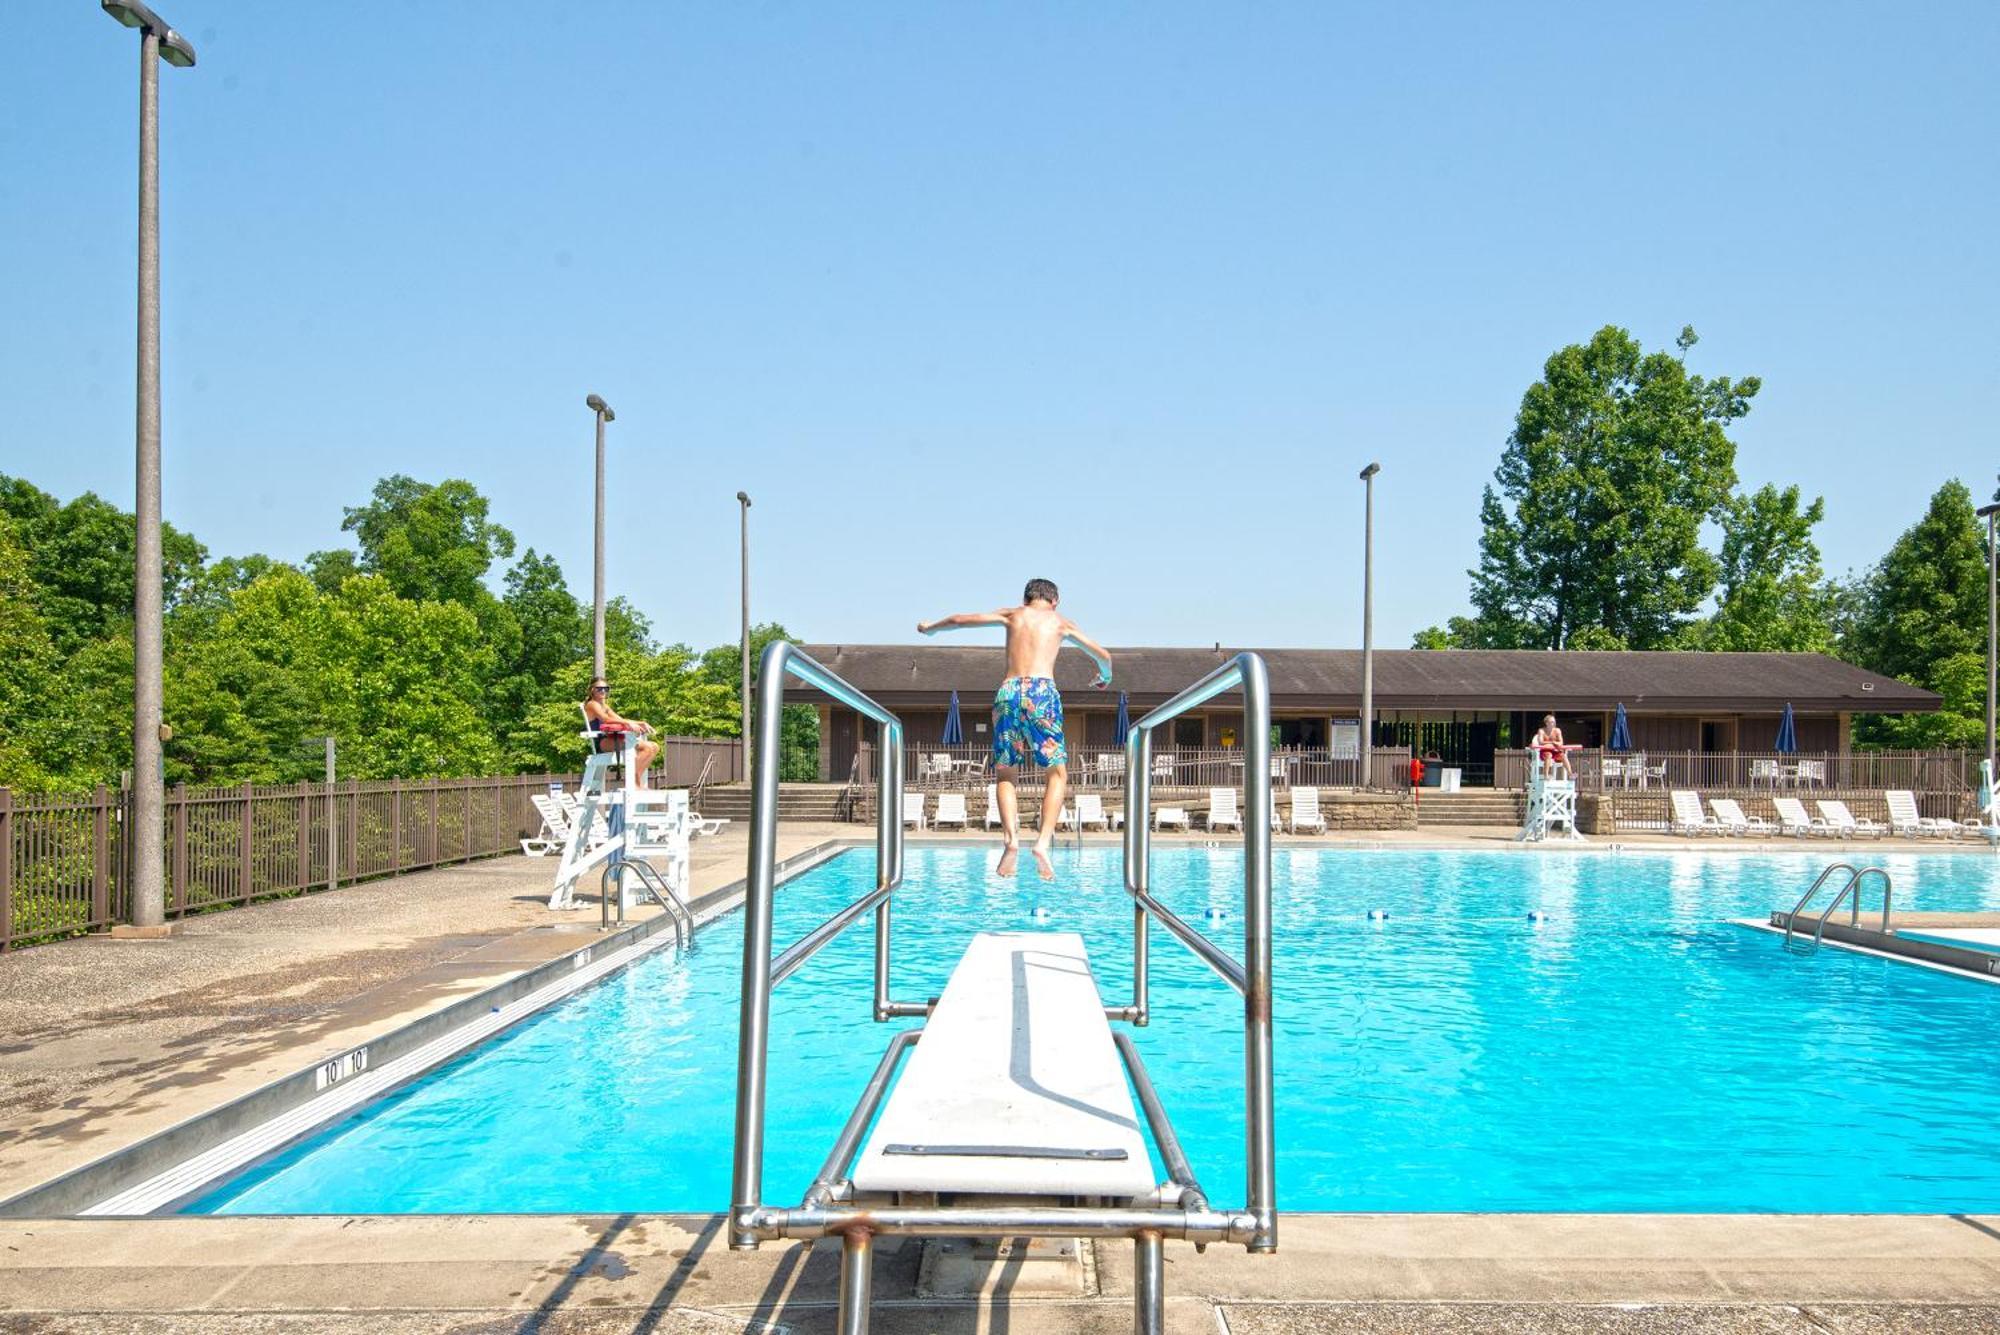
1016 1089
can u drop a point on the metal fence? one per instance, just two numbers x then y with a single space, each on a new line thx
64 860
1941 773
935 768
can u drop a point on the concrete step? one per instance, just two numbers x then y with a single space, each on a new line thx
1477 807
796 801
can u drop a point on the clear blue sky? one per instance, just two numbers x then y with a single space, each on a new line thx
1120 294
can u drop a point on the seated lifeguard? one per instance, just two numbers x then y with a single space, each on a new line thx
609 725
1549 745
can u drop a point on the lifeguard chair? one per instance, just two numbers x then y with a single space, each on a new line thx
1551 809
646 855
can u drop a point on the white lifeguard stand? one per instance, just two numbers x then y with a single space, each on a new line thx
1551 812
647 827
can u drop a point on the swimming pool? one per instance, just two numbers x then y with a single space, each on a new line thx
1632 1050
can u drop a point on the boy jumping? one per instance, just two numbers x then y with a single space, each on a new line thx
1028 711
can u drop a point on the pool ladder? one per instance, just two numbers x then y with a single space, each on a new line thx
655 888
1850 892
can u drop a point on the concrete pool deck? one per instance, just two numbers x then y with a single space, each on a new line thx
103 1043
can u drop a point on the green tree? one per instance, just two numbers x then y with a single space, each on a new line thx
80 561
798 725
1920 615
29 717
430 542
1616 459
1774 596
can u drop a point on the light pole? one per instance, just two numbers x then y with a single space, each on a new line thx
157 42
1989 514
743 519
604 414
1368 624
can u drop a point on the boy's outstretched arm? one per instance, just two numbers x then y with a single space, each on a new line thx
1097 651
959 620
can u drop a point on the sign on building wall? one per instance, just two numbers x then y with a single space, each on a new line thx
1346 739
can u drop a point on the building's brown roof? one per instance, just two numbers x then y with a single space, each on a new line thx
1493 679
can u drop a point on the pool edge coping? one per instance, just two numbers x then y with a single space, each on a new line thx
318 1094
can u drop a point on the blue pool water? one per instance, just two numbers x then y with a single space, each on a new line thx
1631 1051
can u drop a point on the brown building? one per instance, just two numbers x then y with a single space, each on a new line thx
1463 704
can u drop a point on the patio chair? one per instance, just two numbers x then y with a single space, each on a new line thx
1689 818
1612 770
1090 811
939 768
913 808
1730 812
1765 772
992 807
1305 810
1171 818
1792 818
950 811
1652 773
1222 809
555 827
1905 819
1111 768
1843 821
1163 768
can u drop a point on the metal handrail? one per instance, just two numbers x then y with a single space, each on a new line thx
1804 899
1853 887
656 885
761 972
1252 977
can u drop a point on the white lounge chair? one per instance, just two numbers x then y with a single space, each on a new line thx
1730 812
1090 811
1222 809
1305 810
560 817
993 821
950 811
913 808
1276 824
1844 822
1905 819
1689 818
555 827
1171 818
1792 818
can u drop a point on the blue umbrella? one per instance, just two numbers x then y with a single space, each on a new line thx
954 731
1123 728
1621 731
1788 733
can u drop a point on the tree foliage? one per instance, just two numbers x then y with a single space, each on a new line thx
1774 596
397 648
1920 615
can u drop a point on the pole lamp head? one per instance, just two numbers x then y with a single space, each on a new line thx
1370 471
1988 511
744 497
174 48
597 405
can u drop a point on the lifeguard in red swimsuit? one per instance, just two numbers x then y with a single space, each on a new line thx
1549 745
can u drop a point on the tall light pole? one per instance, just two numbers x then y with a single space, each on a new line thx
604 414
743 521
157 42
1989 514
1368 624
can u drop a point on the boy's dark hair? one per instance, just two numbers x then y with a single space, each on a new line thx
1039 588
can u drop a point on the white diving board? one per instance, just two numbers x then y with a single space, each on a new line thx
1016 1088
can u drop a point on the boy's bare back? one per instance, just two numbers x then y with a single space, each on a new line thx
1034 637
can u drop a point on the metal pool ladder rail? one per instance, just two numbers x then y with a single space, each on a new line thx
1061 1205
1850 891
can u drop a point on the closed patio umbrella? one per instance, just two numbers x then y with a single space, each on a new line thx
1123 728
954 731
1788 733
1621 731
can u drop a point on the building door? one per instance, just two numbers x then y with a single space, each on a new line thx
840 745
1718 734
1191 732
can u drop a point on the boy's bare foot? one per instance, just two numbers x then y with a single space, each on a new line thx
1042 864
1008 857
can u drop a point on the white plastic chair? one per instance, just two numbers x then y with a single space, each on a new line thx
1844 822
1689 818
1171 817
1305 810
1905 819
913 808
1222 809
1090 811
1792 818
1730 813
993 821
950 811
